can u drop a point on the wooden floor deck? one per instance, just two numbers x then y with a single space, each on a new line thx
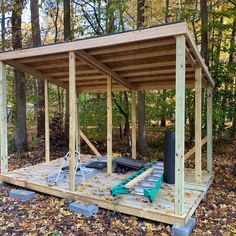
97 191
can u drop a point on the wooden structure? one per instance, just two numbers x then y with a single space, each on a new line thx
160 57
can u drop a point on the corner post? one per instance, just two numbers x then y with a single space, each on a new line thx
109 124
3 119
179 124
209 130
198 124
47 136
72 119
134 121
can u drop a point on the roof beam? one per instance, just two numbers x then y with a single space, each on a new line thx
36 73
92 61
117 68
130 47
196 53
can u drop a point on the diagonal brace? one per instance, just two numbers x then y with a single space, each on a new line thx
93 62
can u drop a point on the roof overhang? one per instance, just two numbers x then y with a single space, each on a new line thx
141 59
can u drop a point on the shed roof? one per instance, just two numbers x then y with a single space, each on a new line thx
139 59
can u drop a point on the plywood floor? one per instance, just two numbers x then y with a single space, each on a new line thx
97 191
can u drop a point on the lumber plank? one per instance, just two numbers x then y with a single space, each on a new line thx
77 133
209 130
129 47
3 120
47 134
152 72
92 61
196 53
72 119
198 124
134 121
180 124
109 40
192 150
136 180
93 148
36 73
109 124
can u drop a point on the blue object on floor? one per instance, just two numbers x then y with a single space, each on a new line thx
4 184
22 195
83 209
186 230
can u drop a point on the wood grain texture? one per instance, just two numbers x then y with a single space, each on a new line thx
3 119
72 119
198 124
134 124
47 131
209 130
109 124
179 125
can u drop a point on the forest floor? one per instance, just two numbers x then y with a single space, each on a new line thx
47 215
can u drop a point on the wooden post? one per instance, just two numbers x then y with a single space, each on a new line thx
179 125
72 118
109 124
77 134
3 119
134 120
198 124
209 130
47 135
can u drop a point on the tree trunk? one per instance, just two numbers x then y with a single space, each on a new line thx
67 23
67 35
36 39
142 134
204 28
232 60
3 25
140 13
167 11
142 131
20 130
127 128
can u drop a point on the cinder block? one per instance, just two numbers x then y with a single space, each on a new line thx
22 195
186 230
83 209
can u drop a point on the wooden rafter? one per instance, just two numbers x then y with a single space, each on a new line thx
92 61
36 73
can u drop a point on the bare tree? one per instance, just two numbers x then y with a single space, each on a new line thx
204 28
142 132
36 39
20 130
67 35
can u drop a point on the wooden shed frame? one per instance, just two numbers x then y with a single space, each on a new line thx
159 57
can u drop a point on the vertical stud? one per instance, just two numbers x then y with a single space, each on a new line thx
134 120
47 135
198 124
179 124
72 118
209 130
109 124
77 124
3 119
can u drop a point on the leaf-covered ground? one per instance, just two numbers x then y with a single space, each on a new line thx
47 215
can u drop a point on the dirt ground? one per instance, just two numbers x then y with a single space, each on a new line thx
47 215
